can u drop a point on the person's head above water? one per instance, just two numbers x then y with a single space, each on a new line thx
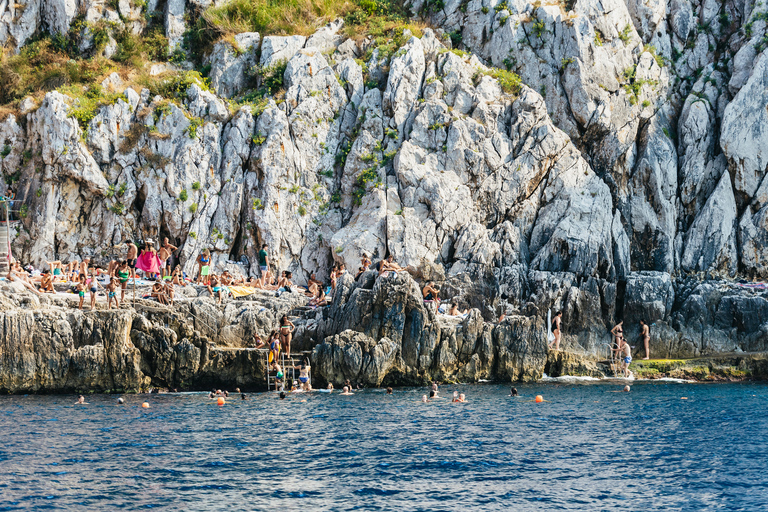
626 389
389 391
120 400
513 392
282 395
432 394
424 398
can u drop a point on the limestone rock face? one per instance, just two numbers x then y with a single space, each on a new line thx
230 65
633 150
354 356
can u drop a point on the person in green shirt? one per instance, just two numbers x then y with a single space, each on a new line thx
264 265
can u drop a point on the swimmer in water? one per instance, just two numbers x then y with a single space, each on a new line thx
346 391
304 375
282 395
424 398
455 396
120 400
81 400
389 391
462 398
434 388
330 387
513 392
243 396
432 394
626 389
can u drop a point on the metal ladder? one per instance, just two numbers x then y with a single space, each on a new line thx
290 373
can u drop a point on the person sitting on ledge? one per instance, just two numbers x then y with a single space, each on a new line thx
388 265
365 263
46 283
430 292
454 311
158 292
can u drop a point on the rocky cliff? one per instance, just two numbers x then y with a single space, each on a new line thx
604 158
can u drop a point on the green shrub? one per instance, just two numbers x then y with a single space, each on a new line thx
509 81
272 76
193 208
196 185
183 196
302 210
194 124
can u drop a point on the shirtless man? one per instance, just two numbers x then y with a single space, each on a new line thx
626 353
130 257
112 293
165 252
556 325
214 287
454 311
645 333
84 266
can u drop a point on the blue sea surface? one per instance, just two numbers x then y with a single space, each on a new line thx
663 446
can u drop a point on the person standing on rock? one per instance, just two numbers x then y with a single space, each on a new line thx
626 352
131 256
618 335
645 333
286 334
263 258
203 263
123 273
556 324
165 253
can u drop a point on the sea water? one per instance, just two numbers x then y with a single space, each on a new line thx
663 446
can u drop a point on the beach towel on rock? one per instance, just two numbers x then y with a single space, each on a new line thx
241 291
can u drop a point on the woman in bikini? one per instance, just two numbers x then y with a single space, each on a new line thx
203 262
618 335
274 347
286 334
123 273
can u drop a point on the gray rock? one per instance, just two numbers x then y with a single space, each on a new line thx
277 48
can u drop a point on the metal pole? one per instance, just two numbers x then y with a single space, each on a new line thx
8 231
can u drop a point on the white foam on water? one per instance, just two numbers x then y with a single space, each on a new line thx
569 378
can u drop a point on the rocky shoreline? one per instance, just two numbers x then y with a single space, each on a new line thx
377 332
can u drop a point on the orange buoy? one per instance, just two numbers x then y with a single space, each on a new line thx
539 399
220 401
145 405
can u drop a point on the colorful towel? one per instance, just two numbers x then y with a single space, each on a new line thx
241 291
